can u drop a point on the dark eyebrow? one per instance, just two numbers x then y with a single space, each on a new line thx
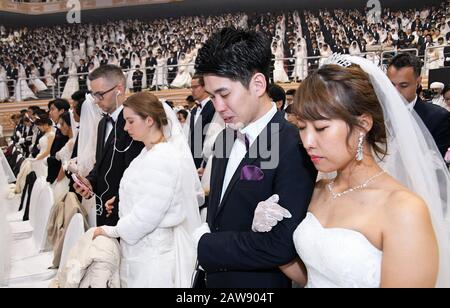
217 91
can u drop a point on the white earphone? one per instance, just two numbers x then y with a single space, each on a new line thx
99 207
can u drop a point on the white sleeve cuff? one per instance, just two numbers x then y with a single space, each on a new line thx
111 232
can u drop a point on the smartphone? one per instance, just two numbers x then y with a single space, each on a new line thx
80 183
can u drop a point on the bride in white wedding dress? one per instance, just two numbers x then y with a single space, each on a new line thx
381 222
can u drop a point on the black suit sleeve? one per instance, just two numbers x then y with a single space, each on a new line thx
92 176
441 133
230 251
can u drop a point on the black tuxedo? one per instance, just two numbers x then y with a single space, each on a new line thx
150 64
172 70
125 63
61 71
137 80
292 58
27 135
104 155
232 255
437 120
82 78
196 131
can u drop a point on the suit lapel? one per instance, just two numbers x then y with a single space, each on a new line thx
247 160
101 139
207 110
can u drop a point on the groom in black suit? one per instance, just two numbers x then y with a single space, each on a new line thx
115 148
405 73
258 155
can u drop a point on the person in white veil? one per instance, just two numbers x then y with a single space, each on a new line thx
90 117
388 204
4 92
72 84
23 91
159 196
5 173
354 49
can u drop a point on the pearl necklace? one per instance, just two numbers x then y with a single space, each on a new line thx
362 186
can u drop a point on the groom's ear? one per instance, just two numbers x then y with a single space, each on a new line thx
365 121
258 84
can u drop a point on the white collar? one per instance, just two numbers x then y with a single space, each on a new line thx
203 102
411 105
253 129
116 113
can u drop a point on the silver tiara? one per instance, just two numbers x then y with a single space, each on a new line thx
338 59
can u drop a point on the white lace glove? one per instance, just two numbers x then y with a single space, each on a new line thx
268 213
199 232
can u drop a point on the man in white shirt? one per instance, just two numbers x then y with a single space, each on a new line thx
257 156
404 71
115 148
201 117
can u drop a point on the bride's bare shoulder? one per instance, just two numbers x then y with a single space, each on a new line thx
404 206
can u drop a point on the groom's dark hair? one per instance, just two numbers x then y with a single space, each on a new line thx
235 54
407 60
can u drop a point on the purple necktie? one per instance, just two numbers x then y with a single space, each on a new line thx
243 138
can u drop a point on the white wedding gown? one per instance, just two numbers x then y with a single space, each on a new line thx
4 92
337 257
72 84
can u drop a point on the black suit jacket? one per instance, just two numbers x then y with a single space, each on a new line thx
197 133
104 162
437 120
232 255
447 56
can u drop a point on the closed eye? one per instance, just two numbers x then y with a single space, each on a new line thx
321 129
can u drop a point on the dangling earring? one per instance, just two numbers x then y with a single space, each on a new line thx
360 150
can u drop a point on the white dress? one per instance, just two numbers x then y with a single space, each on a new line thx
160 77
72 84
279 73
4 93
40 166
23 91
38 83
337 257
183 78
153 242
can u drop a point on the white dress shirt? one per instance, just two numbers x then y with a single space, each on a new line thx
239 149
411 105
109 126
200 109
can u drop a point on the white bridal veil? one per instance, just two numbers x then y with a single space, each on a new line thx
193 197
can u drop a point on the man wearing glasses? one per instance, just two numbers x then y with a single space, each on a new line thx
115 148
201 116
